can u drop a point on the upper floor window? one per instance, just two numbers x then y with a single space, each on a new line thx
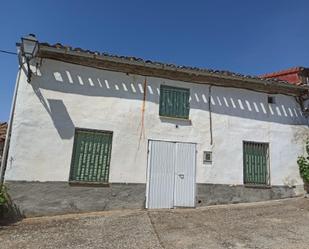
174 102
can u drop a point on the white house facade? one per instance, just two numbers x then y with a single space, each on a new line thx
94 132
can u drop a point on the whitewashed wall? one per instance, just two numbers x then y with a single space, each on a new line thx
63 96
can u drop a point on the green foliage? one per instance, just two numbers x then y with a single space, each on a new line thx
3 195
303 163
9 212
4 201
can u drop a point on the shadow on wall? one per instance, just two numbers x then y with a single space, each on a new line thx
62 120
74 79
58 113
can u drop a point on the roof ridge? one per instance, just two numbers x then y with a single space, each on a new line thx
147 61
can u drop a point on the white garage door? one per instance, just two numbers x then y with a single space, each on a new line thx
171 176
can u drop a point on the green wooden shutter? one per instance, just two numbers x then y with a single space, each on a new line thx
174 102
91 156
255 163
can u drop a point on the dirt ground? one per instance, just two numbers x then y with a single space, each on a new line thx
274 224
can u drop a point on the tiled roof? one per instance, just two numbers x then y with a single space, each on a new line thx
3 127
294 75
163 65
283 72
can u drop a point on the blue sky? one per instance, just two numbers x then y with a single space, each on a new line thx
250 37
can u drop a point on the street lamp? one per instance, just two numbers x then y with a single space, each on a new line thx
29 48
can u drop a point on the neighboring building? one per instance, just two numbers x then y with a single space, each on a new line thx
93 131
3 127
295 75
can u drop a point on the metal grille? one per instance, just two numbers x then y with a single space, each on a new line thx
255 163
174 102
91 156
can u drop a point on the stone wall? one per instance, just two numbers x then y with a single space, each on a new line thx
213 194
51 198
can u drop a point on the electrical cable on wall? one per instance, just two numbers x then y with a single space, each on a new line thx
142 133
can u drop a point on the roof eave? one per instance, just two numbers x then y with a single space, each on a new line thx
165 71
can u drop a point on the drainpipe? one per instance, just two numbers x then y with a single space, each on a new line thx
210 116
8 132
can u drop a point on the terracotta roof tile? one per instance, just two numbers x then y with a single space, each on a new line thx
197 69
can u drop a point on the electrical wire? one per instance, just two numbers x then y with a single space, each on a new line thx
7 52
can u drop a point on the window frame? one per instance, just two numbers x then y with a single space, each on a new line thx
173 88
73 182
257 185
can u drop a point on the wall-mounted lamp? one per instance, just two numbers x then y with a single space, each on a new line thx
29 49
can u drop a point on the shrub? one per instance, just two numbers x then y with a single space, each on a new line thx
9 212
4 201
3 196
303 163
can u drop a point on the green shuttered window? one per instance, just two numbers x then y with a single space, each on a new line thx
91 156
174 102
255 163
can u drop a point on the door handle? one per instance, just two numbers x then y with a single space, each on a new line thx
181 176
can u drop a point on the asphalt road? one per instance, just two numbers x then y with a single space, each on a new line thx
275 224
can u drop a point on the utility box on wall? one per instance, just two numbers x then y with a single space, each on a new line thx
207 157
